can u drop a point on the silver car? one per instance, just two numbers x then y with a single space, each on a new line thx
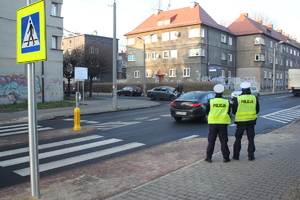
238 91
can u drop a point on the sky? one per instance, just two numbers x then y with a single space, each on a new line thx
85 16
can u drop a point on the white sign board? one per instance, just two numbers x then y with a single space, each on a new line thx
81 73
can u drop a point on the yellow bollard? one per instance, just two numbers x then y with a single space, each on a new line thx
77 119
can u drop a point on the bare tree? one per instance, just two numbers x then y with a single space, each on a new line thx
98 60
71 58
266 20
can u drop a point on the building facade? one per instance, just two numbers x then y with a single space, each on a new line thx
95 45
49 74
186 44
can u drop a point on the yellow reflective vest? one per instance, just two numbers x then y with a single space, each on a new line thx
246 110
218 113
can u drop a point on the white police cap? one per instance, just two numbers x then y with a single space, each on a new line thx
245 85
219 88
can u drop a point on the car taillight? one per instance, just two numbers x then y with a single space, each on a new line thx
134 90
173 104
195 105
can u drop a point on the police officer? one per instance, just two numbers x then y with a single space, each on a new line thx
218 112
178 89
245 108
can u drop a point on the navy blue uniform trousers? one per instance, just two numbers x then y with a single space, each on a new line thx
240 129
215 130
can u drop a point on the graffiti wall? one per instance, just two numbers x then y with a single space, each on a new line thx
13 88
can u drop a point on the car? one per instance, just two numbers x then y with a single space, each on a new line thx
130 91
238 92
161 92
72 89
191 105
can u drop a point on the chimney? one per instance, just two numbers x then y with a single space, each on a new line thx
193 4
287 35
94 32
294 39
244 14
259 21
157 11
279 31
270 26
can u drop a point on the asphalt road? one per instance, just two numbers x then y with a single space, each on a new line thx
129 131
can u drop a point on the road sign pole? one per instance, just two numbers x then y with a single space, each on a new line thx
33 134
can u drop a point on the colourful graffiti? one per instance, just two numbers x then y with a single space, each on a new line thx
13 88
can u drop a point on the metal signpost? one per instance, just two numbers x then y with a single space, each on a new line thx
31 47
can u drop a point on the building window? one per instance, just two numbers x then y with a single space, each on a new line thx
131 57
291 51
92 50
154 38
172 73
54 9
281 62
259 57
271 44
194 52
148 73
229 74
280 75
154 55
186 72
230 40
147 56
291 63
229 57
202 32
259 40
223 73
265 74
287 63
173 53
165 36
270 75
136 73
194 33
223 56
130 41
54 42
223 38
147 39
166 54
174 35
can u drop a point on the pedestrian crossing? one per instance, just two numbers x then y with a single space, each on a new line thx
284 116
19 129
64 153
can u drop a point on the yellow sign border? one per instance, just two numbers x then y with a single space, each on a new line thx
40 55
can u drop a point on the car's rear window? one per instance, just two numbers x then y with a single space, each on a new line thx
192 95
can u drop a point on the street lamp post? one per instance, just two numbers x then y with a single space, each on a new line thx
144 63
275 47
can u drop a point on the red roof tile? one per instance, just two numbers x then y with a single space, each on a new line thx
179 17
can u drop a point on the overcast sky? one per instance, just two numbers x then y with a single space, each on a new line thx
85 16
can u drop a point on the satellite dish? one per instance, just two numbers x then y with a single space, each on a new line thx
177 34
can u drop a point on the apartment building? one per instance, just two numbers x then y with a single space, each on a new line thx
49 74
96 45
186 44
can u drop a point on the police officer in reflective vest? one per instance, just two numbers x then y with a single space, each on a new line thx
245 108
218 112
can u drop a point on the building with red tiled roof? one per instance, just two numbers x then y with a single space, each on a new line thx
256 45
186 45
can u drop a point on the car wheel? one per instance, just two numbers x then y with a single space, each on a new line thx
178 119
204 120
152 97
257 96
119 94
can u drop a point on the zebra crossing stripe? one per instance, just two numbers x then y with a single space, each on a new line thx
13 126
58 152
50 145
24 131
15 129
81 158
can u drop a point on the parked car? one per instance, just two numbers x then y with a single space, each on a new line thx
130 91
238 92
72 89
191 105
161 92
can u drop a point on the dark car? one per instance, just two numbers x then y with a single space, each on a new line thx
130 91
191 105
161 92
72 89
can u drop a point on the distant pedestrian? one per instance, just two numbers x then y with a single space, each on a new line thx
218 112
245 108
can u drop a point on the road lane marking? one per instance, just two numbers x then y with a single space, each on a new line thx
58 152
50 145
81 158
189 137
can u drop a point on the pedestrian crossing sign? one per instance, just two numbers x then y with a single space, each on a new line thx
31 33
